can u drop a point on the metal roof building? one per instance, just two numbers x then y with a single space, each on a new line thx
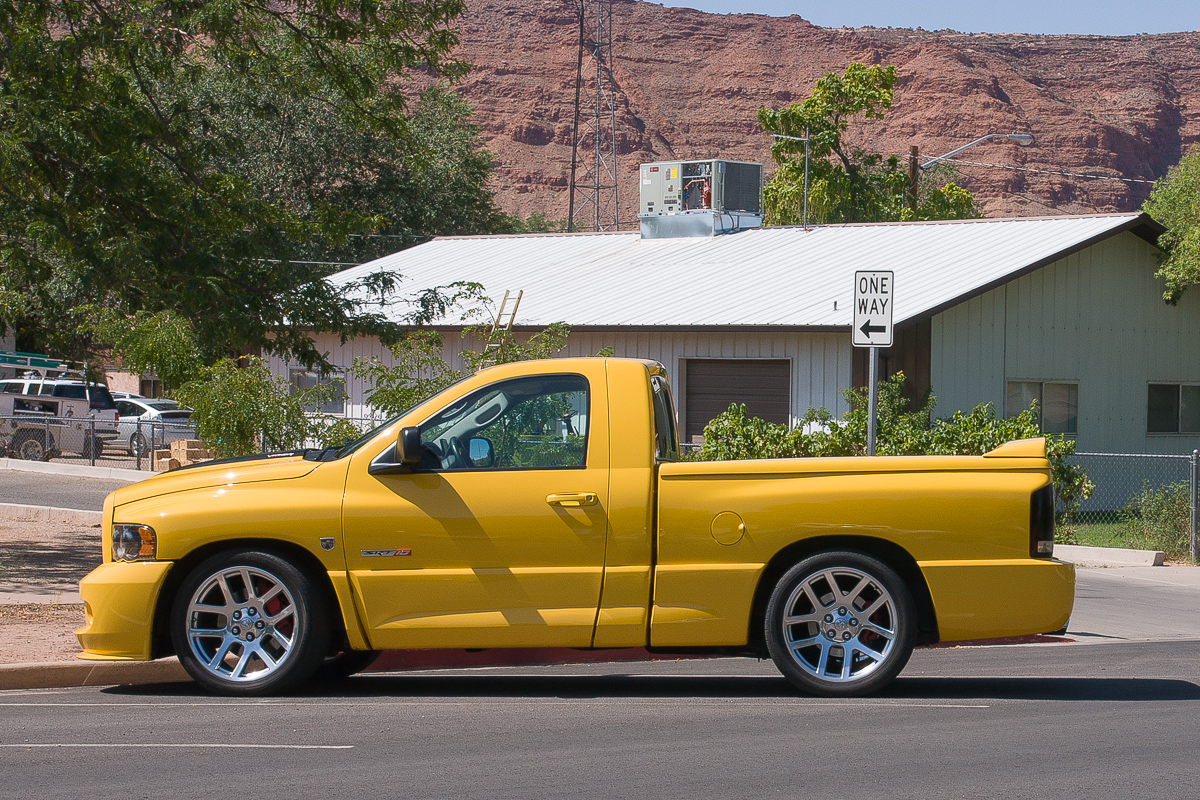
785 276
1064 309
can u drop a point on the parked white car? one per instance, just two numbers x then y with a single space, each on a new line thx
143 422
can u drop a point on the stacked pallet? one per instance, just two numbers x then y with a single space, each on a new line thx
181 453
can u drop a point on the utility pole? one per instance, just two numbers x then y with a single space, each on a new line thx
593 202
913 171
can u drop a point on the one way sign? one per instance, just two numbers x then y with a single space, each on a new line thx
873 309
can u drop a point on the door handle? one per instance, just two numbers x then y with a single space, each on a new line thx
572 499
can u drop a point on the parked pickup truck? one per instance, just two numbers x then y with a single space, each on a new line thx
542 504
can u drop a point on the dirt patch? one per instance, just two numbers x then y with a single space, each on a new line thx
38 632
43 558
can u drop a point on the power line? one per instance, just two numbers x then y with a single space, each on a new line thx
1047 171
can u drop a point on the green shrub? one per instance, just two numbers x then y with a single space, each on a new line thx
735 435
1160 519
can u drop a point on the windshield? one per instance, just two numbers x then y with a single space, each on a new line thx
355 444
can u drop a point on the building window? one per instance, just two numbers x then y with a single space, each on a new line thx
1058 404
334 401
1173 408
150 387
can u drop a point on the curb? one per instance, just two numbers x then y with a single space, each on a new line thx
70 674
68 516
62 598
79 470
1083 556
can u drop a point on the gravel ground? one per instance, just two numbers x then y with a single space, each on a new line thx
30 633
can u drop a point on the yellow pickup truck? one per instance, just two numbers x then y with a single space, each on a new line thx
542 504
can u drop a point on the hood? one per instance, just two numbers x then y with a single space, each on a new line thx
221 473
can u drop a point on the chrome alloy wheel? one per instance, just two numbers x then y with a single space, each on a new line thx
840 624
242 624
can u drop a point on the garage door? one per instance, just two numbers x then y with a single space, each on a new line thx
712 384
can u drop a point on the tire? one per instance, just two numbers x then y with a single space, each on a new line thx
30 447
138 446
213 613
92 448
344 663
835 602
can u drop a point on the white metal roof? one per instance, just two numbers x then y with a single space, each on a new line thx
784 276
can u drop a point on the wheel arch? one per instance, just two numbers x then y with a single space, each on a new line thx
160 635
890 553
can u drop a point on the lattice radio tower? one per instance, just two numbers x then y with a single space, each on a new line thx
593 203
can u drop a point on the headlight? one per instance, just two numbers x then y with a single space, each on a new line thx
134 543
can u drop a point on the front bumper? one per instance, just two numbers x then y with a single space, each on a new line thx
119 600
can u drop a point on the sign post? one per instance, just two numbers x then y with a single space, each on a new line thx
873 301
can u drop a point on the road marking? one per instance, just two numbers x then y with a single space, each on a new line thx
211 746
518 702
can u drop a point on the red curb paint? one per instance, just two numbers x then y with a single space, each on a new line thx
1039 638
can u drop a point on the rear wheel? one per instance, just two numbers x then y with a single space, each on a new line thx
31 446
249 623
840 624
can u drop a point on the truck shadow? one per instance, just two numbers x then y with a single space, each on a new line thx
601 687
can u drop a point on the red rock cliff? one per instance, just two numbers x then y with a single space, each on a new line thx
689 84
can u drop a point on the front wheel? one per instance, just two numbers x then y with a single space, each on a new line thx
249 623
840 624
93 447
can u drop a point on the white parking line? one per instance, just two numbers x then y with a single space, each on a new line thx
210 746
519 702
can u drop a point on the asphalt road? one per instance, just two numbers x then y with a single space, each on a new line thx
1062 721
59 491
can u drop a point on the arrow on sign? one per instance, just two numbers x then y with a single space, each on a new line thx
867 328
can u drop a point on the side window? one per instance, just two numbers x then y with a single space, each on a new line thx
666 438
527 423
127 409
71 391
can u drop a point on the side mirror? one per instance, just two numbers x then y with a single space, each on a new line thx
481 452
408 447
406 455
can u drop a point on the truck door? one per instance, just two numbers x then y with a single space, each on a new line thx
498 538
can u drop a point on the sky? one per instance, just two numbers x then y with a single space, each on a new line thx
1102 17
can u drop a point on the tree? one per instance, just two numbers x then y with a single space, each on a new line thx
128 136
846 184
1175 202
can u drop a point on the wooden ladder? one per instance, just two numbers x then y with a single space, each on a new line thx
500 323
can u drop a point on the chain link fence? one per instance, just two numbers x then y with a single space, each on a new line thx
1141 500
133 444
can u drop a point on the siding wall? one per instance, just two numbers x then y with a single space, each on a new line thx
1096 318
820 362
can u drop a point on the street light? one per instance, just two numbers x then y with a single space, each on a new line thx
1023 139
